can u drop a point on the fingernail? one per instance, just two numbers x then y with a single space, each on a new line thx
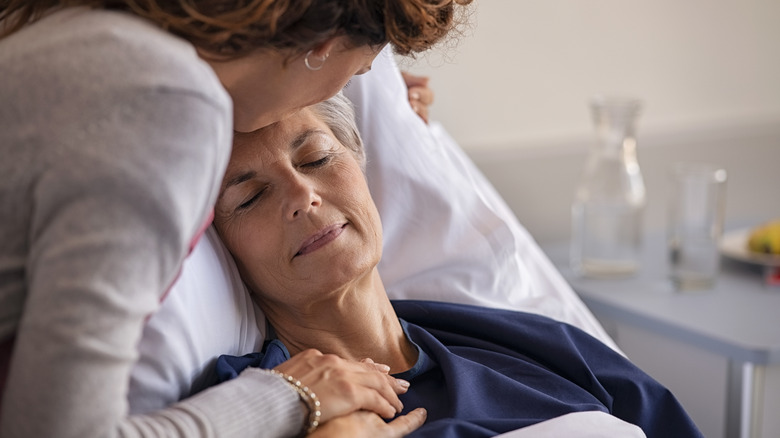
382 367
415 95
403 383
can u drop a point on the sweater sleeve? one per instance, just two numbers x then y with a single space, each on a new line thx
110 228
256 404
124 161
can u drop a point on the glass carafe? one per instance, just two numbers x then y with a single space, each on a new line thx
609 201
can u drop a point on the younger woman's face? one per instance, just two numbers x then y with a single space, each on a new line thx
296 213
269 86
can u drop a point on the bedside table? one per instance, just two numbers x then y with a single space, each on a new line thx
737 320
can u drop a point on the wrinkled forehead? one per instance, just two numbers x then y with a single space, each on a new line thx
279 136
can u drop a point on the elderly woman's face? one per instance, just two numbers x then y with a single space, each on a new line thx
295 211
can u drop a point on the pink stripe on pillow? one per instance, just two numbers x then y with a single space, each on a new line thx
202 229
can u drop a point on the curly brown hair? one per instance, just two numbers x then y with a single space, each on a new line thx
235 27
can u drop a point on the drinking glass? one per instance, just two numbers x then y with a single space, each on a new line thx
697 200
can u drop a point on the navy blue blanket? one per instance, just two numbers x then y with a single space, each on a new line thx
483 372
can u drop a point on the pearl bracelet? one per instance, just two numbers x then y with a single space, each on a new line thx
308 397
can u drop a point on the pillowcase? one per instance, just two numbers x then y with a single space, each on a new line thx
448 236
208 311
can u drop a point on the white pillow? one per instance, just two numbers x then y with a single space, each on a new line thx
448 236
206 313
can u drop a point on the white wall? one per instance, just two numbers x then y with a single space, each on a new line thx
523 72
513 92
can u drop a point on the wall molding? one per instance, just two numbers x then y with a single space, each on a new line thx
538 181
765 125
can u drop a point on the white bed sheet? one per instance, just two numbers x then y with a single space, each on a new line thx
591 424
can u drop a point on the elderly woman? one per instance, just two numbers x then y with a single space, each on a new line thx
295 211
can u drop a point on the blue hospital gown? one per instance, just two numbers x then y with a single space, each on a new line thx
482 372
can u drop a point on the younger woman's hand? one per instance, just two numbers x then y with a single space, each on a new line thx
363 424
344 387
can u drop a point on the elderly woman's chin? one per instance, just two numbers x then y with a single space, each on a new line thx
341 261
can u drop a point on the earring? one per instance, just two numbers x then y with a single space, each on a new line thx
308 64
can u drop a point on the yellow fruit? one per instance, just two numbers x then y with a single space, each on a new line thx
765 238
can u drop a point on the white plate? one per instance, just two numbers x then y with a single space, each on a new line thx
734 245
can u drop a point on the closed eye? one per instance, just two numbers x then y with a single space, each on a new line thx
251 201
318 163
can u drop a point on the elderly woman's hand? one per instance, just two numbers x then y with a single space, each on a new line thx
344 387
363 424
420 95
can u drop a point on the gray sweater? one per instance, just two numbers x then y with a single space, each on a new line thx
113 139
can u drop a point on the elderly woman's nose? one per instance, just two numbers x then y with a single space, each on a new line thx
301 197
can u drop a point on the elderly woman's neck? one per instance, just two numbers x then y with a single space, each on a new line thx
357 323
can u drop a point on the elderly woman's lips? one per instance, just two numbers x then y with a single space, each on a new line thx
321 238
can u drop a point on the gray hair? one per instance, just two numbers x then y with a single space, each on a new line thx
339 114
